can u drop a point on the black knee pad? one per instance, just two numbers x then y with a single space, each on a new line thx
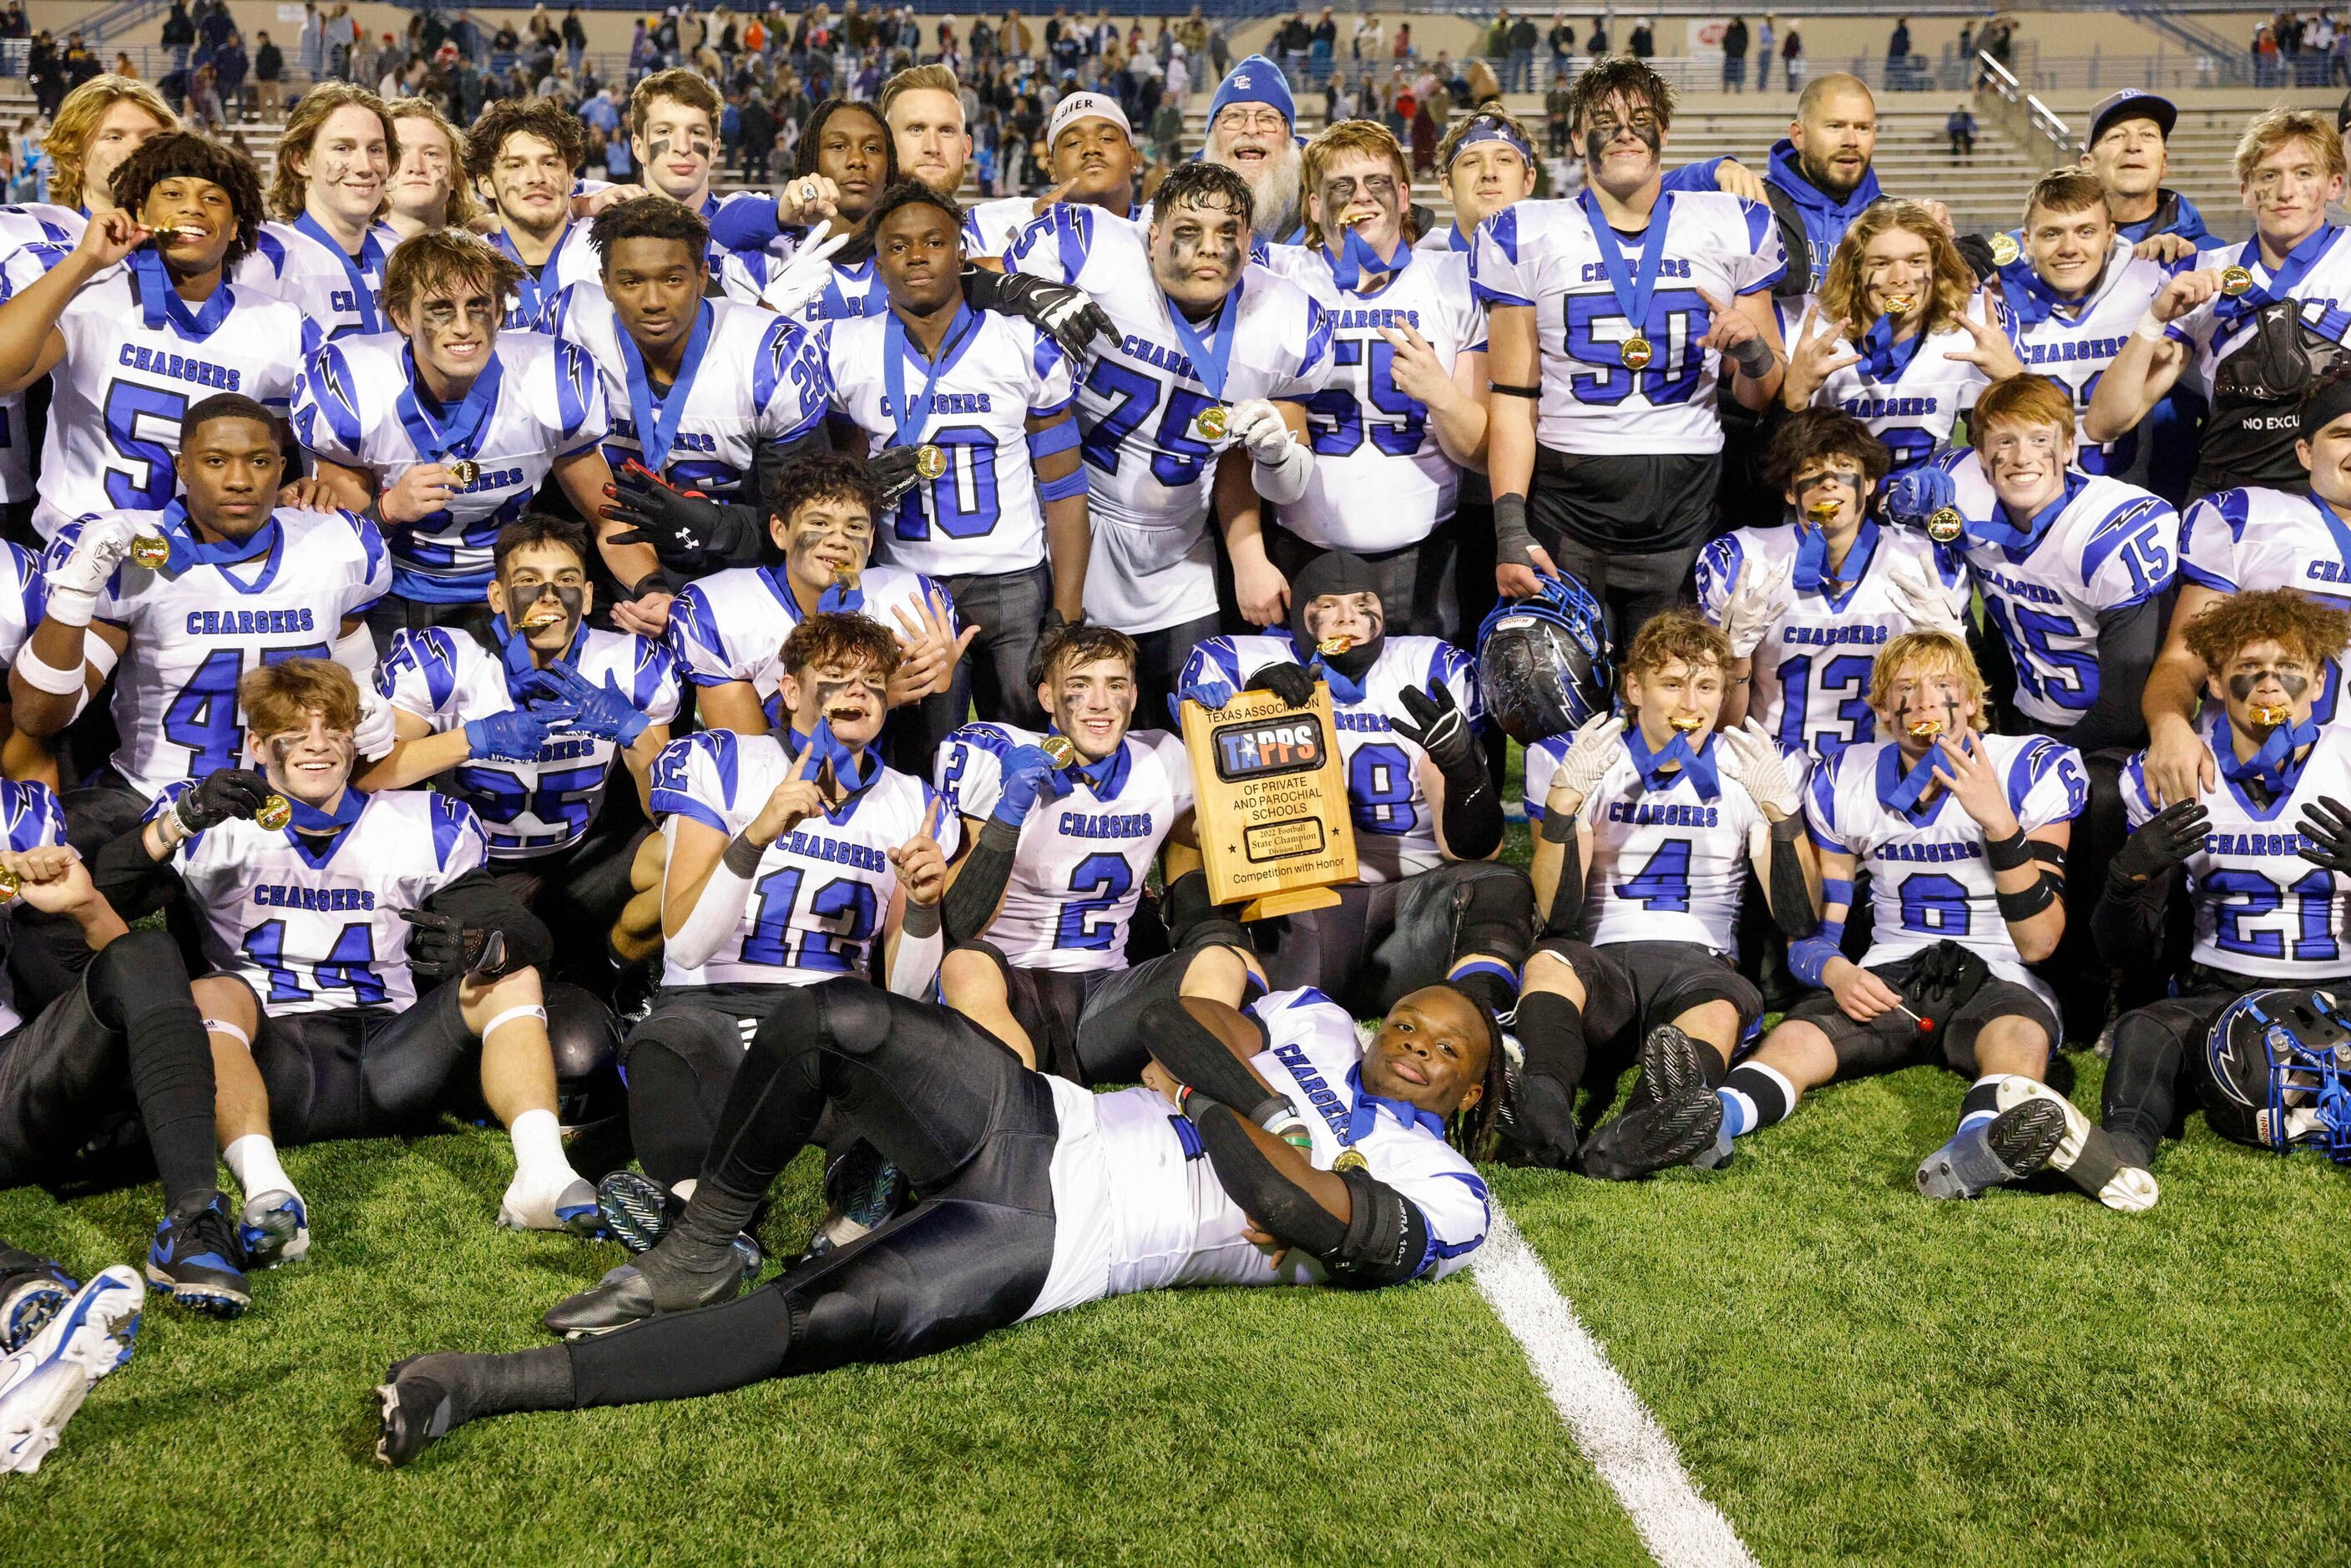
853 1016
1193 920
136 974
591 1101
1493 911
2145 1041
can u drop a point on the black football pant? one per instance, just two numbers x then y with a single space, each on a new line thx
2158 1061
972 1129
1385 940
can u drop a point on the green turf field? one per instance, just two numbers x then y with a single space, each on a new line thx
1852 1375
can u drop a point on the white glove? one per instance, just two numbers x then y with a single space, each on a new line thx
1751 756
805 275
1259 426
76 582
1918 592
376 734
1592 754
1761 596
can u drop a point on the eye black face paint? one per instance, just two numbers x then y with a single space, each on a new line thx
2241 686
537 614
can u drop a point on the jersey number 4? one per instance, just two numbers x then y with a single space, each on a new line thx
349 965
204 718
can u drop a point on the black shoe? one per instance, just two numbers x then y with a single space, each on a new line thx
417 1408
196 1257
1535 1124
624 1296
637 1210
1669 1067
32 1290
1674 1129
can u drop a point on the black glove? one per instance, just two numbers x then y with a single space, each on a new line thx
1054 620
1945 978
233 793
2326 823
442 946
1976 251
892 470
1068 315
1439 727
1293 684
690 533
2162 842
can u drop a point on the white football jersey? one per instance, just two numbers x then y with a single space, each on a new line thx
1667 865
741 275
338 294
445 676
2262 910
2212 335
2076 343
981 516
1149 470
2109 545
358 406
1544 254
990 227
1929 879
853 290
312 930
731 625
822 890
33 239
24 599
30 819
1381 480
1395 827
1137 1206
1912 410
1811 673
759 381
532 306
117 397
196 631
1083 859
2246 541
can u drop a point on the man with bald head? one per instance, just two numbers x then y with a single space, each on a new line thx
1819 176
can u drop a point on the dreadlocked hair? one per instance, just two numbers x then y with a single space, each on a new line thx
1471 1130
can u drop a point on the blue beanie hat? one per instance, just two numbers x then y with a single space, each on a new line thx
1254 81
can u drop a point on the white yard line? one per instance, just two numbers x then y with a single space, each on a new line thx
1615 1431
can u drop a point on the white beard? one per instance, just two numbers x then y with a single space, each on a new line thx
1274 188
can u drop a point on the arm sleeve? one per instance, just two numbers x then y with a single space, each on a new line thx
2127 642
126 878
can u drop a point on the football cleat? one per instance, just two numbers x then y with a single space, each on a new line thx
2008 1147
2086 1156
861 1190
1670 1068
195 1258
572 1209
637 1210
625 1296
416 1406
273 1229
42 1385
1535 1123
1673 1125
32 1290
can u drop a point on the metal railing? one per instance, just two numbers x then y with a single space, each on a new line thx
2025 114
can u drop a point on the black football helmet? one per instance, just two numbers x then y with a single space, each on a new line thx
2278 1071
1542 663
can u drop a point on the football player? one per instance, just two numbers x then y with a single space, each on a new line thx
442 432
1433 903
326 252
361 955
523 719
523 157
1647 827
1486 164
246 582
1613 318
126 349
1180 407
998 512
1095 163
792 856
1363 1192
2267 856
846 160
428 189
1406 404
1038 915
674 134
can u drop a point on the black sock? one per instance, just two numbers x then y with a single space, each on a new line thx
535 1379
139 989
1487 983
1756 1096
1550 1030
1982 1100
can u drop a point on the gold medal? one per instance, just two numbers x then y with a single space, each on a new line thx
1900 303
1927 729
2235 280
929 461
151 550
845 578
1821 514
1635 352
2268 716
1946 527
463 472
2004 249
1329 645
1060 748
164 234
1351 1160
1686 723
9 883
275 813
1213 422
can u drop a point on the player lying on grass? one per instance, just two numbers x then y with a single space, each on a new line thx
1666 815
2266 855
1327 1162
361 956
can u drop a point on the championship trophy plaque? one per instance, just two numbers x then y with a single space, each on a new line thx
1270 799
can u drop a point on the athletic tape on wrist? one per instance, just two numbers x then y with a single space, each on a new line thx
43 676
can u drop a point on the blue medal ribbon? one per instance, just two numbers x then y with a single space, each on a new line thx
369 259
1346 693
1656 768
309 819
1105 777
2337 529
188 549
2273 767
657 423
1903 797
435 439
1365 1114
538 286
831 752
1881 355
514 653
2282 281
2032 299
160 303
908 418
1211 355
1356 256
1996 531
1634 290
1812 558
839 601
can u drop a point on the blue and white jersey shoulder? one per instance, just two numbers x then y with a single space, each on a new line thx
2262 910
741 275
1666 865
854 289
24 598
320 931
2243 541
118 395
2216 328
1930 880
1913 407
982 515
2076 343
1545 254
317 279
550 406
33 239
41 222
760 382
990 227
195 631
821 891
731 625
1381 478
445 676
30 817
1811 673
534 306
1083 859
1396 822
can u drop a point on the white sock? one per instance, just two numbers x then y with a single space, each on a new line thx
684 1189
253 1160
538 1150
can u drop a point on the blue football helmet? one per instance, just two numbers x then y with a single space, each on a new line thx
1542 663
2279 1072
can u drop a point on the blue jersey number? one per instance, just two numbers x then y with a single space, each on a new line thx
135 416
2066 676
1845 674
1664 884
2246 893
204 718
1676 314
349 965
1380 788
498 796
1338 419
1935 904
842 951
963 500
1107 878
1175 453
1911 444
